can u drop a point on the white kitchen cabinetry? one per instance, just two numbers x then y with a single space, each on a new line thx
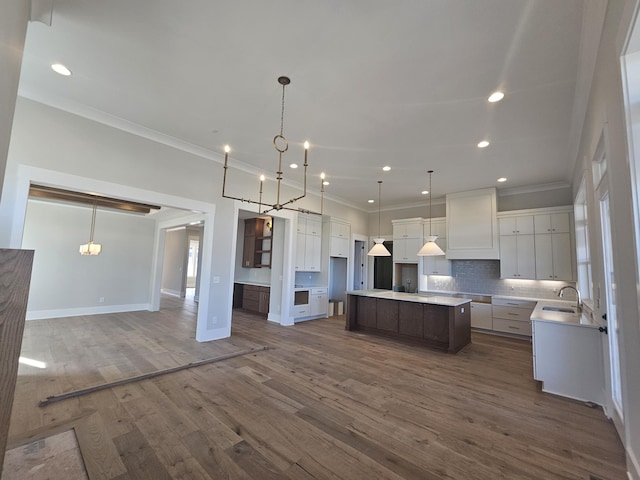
512 315
516 225
309 244
554 252
436 265
517 247
567 359
481 315
407 240
319 302
339 239
553 223
472 225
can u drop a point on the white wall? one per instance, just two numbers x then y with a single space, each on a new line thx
605 112
174 273
47 138
65 283
13 29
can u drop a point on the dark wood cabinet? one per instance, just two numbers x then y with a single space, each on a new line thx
439 326
256 298
257 243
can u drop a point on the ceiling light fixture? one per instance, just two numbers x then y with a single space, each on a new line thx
430 248
495 97
371 201
483 144
281 145
424 192
293 165
91 248
60 69
502 179
378 249
386 168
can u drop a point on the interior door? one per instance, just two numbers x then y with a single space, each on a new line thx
611 341
359 256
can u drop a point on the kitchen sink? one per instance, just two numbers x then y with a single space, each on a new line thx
559 309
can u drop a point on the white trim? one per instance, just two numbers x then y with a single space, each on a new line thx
27 174
173 293
80 311
633 465
536 211
545 187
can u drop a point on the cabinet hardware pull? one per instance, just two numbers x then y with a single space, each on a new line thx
514 328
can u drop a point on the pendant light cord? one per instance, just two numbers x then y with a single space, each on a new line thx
430 172
93 220
380 204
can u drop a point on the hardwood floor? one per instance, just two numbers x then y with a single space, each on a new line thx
320 403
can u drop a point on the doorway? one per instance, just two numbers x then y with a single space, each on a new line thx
359 262
383 269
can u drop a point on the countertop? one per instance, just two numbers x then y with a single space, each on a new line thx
249 282
577 319
412 297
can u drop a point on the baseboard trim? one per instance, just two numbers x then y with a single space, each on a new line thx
633 465
173 293
76 312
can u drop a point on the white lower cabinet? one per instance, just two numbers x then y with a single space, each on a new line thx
568 360
319 301
481 315
512 315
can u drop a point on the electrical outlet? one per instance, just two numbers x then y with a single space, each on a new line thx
101 300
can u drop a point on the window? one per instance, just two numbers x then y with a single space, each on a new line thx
583 255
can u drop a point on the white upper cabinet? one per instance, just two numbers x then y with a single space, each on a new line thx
472 225
520 225
339 239
407 240
517 256
309 244
553 223
436 265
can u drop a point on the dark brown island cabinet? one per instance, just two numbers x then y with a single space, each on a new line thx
438 322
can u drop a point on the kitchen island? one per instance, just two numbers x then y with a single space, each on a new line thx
436 321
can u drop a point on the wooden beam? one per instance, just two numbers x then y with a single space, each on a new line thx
15 277
145 376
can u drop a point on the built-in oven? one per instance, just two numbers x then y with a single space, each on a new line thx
301 297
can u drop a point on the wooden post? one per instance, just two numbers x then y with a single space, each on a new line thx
15 276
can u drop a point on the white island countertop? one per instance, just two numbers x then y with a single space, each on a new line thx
542 314
411 297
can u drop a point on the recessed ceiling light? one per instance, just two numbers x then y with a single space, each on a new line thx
502 179
386 168
325 183
424 192
293 165
483 144
370 201
61 69
496 97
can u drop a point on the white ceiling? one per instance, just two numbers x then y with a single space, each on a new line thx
374 82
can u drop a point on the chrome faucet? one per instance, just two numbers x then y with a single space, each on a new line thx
561 294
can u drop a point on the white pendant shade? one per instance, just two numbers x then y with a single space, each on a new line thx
90 249
378 249
430 248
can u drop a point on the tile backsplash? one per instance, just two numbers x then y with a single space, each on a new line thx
483 276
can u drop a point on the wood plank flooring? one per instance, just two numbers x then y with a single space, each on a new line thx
320 403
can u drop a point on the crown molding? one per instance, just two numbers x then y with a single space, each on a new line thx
132 128
505 192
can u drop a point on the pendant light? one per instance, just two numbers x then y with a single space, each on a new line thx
430 248
378 249
91 248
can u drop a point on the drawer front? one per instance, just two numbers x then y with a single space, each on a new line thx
531 304
511 313
251 294
253 305
512 326
301 311
319 291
